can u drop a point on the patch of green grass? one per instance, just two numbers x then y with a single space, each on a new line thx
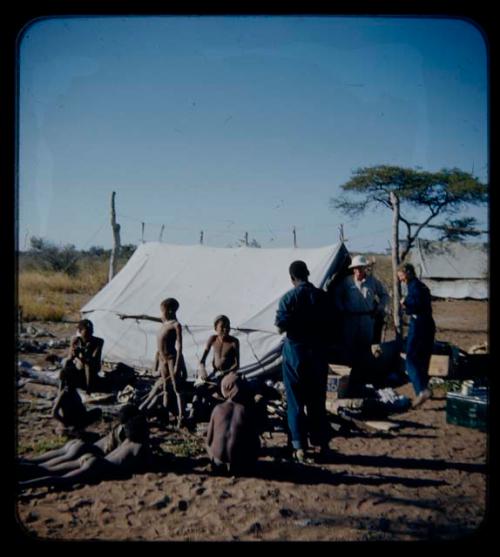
447 386
187 447
38 447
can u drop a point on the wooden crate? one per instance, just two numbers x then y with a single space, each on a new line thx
467 411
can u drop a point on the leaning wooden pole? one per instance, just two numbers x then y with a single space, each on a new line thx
116 239
396 287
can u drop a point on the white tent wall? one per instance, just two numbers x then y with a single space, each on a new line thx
243 283
452 269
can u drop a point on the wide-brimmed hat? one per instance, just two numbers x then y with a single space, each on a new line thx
359 261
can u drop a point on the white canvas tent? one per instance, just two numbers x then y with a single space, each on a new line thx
243 283
452 269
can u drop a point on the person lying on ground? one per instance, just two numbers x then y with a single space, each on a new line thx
169 360
84 358
53 461
132 455
232 437
226 358
69 409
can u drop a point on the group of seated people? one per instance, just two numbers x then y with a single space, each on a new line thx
232 439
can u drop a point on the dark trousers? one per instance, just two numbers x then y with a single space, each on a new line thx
305 370
419 345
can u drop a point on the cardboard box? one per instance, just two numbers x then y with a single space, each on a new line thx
337 384
338 369
333 405
439 366
467 411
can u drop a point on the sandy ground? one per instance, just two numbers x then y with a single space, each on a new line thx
426 480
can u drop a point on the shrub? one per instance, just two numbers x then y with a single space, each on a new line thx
48 256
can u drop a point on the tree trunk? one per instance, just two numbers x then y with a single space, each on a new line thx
116 239
396 287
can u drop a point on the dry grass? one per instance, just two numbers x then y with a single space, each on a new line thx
51 296
87 281
40 308
383 269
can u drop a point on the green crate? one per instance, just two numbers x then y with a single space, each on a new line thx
467 411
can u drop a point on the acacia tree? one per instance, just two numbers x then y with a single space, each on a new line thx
438 196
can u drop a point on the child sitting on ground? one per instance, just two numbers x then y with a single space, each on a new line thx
84 359
69 409
226 358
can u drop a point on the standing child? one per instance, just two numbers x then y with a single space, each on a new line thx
168 360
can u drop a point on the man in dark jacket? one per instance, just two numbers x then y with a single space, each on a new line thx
421 331
303 315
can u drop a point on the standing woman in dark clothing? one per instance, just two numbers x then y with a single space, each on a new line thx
302 314
421 331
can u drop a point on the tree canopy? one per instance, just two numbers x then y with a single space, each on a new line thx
440 194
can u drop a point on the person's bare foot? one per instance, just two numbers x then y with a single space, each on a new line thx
421 398
299 455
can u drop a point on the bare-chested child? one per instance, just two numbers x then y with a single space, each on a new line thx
69 408
232 436
226 349
84 358
129 457
55 461
169 360
226 358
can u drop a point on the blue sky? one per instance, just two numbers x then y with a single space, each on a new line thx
237 124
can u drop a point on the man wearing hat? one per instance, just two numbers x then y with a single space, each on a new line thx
303 315
361 299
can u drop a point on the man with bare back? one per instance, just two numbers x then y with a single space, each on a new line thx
232 436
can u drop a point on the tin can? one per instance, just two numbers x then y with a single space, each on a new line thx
467 387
